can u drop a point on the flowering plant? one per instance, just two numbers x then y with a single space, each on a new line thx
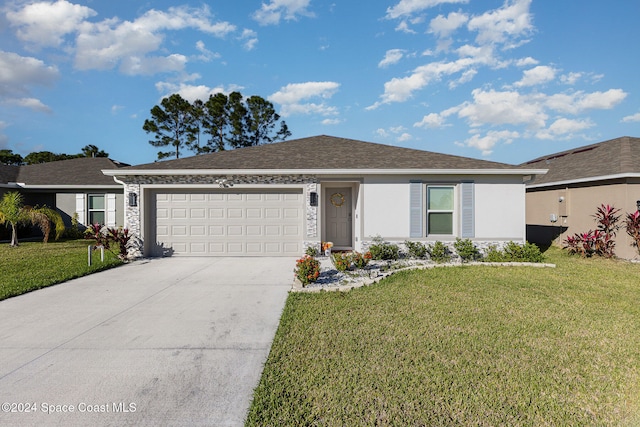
307 270
361 260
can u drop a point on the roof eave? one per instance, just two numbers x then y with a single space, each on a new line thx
64 187
587 179
172 172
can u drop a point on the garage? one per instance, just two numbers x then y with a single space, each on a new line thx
227 222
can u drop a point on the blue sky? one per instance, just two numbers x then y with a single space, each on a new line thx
503 80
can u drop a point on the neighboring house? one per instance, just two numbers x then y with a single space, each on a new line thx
279 199
562 202
71 186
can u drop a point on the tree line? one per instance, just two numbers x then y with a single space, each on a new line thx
222 122
8 157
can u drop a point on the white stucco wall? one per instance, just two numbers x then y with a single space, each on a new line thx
385 207
499 212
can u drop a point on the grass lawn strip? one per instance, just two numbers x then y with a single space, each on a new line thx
463 346
35 265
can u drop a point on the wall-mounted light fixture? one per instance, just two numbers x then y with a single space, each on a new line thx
561 199
313 198
133 199
638 204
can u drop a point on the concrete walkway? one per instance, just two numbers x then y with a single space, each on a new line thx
172 341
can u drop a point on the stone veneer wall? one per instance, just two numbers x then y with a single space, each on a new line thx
133 184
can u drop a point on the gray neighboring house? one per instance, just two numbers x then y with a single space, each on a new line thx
75 186
562 202
278 199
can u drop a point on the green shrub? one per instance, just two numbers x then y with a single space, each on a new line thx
416 249
361 260
307 270
382 250
312 251
439 252
493 254
341 260
513 252
466 249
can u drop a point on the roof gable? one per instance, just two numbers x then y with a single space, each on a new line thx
613 157
322 152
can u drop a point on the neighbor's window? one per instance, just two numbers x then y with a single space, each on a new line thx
97 213
440 210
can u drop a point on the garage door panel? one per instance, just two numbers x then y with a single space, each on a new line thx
229 223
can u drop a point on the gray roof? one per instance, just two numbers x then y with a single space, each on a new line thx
8 173
73 172
614 157
323 152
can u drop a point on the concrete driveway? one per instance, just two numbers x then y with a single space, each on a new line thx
172 341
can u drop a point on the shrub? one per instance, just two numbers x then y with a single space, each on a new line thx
361 260
439 252
599 242
416 249
341 260
632 226
307 270
74 231
493 254
312 251
514 252
466 249
384 251
106 236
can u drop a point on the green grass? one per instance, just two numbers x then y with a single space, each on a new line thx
470 346
35 265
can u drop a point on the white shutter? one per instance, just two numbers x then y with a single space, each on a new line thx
467 216
111 209
81 203
415 209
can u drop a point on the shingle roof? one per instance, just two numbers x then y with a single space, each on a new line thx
80 171
613 157
323 152
8 173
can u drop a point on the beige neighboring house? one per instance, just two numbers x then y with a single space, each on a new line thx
562 202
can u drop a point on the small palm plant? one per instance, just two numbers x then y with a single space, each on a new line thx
13 212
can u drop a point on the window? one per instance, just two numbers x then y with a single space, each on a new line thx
97 212
440 204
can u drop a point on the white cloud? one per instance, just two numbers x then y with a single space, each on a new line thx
564 127
571 78
409 7
537 75
30 103
392 56
404 137
291 98
501 108
503 25
130 45
490 140
18 74
193 92
328 122
525 62
46 23
205 54
443 26
632 118
250 39
271 13
431 121
577 102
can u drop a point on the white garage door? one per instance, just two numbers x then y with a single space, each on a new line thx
228 222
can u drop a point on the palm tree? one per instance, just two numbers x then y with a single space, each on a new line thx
13 211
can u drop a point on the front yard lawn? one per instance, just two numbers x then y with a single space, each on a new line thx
471 346
35 265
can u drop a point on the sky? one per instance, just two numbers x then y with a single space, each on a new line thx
501 80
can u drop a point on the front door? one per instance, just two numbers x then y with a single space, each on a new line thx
338 213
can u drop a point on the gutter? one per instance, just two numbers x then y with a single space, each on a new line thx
174 172
588 179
